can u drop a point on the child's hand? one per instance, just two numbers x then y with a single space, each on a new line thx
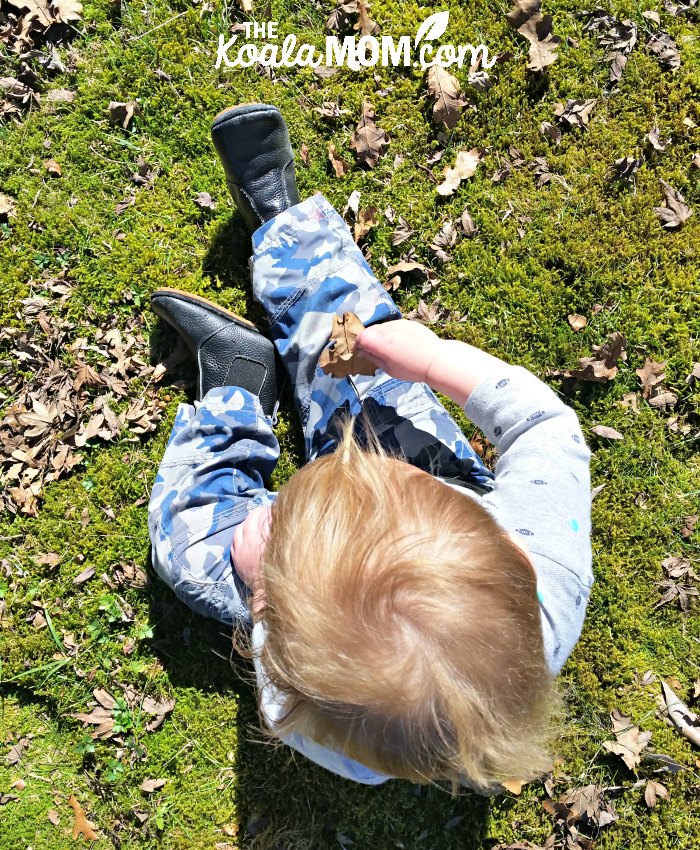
401 348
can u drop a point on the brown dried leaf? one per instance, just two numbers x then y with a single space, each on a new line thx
8 208
689 523
122 113
601 367
576 113
526 18
52 167
653 791
465 167
577 321
665 49
366 220
654 137
67 10
630 741
14 755
304 154
449 102
365 24
551 131
651 374
340 360
369 141
406 267
82 825
204 201
403 232
676 211
340 166
148 786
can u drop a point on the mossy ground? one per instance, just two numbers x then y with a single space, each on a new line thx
590 243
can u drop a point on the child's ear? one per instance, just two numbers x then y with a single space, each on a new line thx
523 548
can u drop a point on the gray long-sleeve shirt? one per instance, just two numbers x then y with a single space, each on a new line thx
541 493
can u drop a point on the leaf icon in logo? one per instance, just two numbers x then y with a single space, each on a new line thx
432 27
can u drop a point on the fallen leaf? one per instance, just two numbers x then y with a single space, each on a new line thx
676 211
369 141
551 131
8 207
684 720
340 360
577 321
607 432
653 791
148 786
60 96
515 786
122 113
403 232
449 102
53 817
446 238
467 223
365 24
689 523
86 574
465 167
340 166
576 113
204 201
304 154
52 167
665 49
366 220
82 825
650 374
14 756
67 10
654 137
626 167
586 804
407 267
528 20
651 15
601 367
695 161
630 741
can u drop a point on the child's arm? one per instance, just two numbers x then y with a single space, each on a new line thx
541 491
412 352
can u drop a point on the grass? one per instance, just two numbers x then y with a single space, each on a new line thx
590 243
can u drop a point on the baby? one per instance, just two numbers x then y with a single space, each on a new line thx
409 608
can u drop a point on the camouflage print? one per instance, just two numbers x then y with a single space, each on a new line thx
221 452
305 268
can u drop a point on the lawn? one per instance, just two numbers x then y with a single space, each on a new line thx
101 206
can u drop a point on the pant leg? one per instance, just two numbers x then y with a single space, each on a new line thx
220 453
306 267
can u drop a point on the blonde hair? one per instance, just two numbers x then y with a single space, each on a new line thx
403 624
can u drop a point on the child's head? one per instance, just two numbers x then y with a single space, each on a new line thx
404 623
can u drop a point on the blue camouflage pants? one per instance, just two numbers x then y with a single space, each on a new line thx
222 450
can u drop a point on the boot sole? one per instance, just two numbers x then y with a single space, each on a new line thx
198 299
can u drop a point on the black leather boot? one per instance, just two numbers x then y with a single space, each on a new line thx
253 144
230 351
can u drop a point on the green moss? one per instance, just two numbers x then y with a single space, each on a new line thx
587 242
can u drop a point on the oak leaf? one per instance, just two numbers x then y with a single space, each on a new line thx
369 141
340 360
676 211
629 740
528 20
576 113
449 102
122 113
82 825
